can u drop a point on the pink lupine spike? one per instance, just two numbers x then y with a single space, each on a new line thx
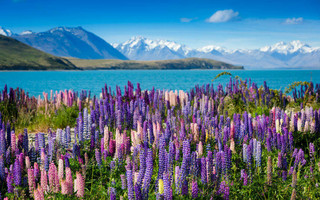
69 180
106 137
60 169
80 185
53 178
36 170
28 164
44 180
41 193
57 185
43 156
13 142
64 187
31 180
36 195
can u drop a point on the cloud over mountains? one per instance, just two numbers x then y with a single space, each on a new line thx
223 16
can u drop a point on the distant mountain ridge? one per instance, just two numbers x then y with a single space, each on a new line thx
15 55
294 54
69 42
177 64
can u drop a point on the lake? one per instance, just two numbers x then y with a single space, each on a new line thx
35 82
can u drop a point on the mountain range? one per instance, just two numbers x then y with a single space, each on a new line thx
294 54
68 42
78 43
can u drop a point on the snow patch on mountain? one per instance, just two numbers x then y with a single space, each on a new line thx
5 32
26 32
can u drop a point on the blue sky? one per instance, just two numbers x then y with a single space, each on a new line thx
230 23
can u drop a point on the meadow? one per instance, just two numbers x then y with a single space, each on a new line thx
233 141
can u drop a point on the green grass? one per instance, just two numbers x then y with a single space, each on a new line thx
15 55
40 120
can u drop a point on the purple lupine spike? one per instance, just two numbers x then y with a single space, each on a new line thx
195 189
284 175
183 184
182 131
130 185
244 176
290 141
112 165
2 142
148 174
123 181
203 170
10 182
17 172
186 153
283 144
258 154
280 160
162 144
228 156
137 190
112 193
66 161
184 188
171 155
167 186
142 166
177 153
268 141
223 162
25 141
249 155
8 143
311 151
98 157
2 168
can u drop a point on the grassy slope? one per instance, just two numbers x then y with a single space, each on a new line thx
15 55
188 63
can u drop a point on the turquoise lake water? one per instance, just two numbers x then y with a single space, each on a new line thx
35 82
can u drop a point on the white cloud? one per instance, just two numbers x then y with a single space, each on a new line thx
223 16
294 20
186 20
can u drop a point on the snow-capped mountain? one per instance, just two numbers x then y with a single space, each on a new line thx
70 42
26 32
289 48
294 54
140 48
5 32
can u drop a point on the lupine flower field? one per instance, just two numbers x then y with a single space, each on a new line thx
237 141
